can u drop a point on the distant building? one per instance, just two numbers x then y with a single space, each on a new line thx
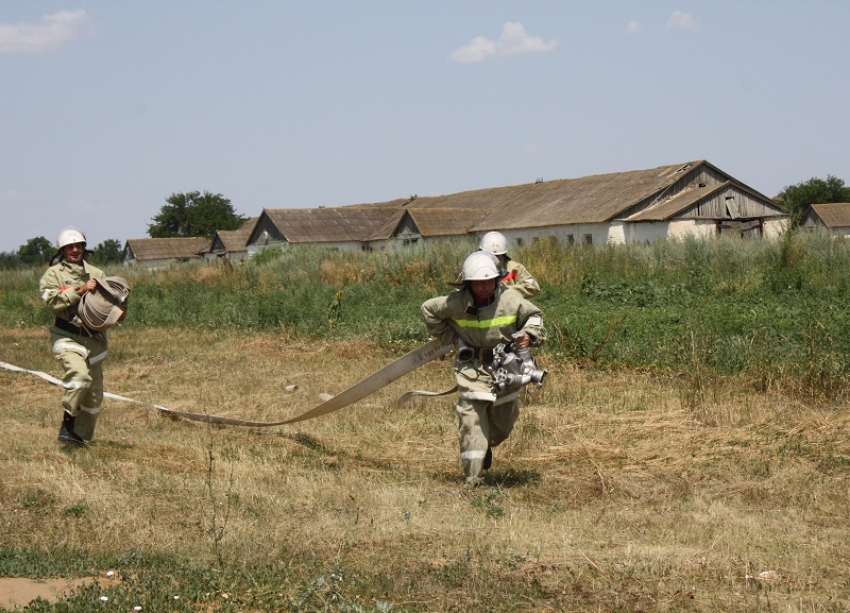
688 199
414 225
344 228
159 252
693 198
835 217
231 244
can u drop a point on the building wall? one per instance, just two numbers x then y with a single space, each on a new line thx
255 247
157 263
774 227
651 231
690 178
617 232
341 246
595 233
730 203
236 256
700 228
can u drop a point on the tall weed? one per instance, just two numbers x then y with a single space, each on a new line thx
770 310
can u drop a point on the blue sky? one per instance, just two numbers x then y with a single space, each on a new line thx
108 107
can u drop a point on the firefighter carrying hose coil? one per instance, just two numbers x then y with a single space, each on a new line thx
80 349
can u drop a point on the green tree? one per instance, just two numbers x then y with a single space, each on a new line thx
37 250
796 199
192 214
9 260
108 252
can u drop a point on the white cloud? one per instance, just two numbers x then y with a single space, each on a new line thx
45 35
513 41
682 21
633 27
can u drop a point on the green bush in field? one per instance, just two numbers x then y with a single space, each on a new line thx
763 308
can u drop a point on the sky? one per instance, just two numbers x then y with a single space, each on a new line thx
107 107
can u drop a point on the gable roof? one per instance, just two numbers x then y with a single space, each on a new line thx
591 199
432 222
165 248
834 214
234 241
655 194
585 200
325 225
682 201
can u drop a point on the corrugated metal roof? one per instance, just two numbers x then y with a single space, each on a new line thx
327 225
163 248
833 215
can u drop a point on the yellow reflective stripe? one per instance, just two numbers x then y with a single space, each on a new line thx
486 323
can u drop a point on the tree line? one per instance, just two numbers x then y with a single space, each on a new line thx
192 214
182 216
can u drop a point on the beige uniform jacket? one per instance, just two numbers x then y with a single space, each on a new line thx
455 316
59 285
520 279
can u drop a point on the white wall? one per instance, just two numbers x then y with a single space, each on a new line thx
597 231
255 247
701 228
617 232
774 227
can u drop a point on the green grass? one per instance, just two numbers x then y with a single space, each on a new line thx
771 310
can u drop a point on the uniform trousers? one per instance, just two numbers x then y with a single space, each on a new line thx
82 360
481 426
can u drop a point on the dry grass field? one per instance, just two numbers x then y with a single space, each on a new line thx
618 491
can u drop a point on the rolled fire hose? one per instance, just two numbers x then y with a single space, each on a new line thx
389 373
101 308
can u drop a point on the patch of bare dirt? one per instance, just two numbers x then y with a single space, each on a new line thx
20 591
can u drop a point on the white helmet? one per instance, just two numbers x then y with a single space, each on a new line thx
71 235
494 242
480 266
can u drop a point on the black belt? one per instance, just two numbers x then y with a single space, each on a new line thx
67 326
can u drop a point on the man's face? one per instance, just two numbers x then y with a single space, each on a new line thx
482 290
74 252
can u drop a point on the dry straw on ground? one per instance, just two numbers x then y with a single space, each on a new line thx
617 490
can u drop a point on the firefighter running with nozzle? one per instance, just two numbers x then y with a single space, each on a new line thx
493 326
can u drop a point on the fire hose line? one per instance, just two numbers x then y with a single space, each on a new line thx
389 373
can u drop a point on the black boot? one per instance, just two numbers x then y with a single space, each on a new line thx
66 430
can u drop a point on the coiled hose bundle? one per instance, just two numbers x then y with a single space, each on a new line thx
102 307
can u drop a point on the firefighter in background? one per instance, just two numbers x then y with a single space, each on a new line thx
80 350
478 317
517 275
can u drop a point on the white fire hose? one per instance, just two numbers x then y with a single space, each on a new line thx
389 373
